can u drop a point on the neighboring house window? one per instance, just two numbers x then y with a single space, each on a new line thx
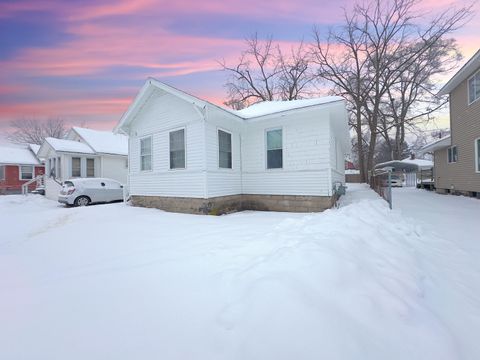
477 155
452 154
177 149
2 172
26 172
90 167
76 167
474 88
224 149
274 149
146 154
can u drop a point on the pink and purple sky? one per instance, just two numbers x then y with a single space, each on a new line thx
84 61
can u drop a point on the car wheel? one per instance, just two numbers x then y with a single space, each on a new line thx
82 201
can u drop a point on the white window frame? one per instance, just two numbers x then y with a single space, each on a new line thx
140 153
266 148
71 167
448 156
20 173
2 173
184 128
86 167
477 155
468 88
218 148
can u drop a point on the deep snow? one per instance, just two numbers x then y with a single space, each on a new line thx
358 282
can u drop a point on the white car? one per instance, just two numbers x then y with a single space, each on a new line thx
83 192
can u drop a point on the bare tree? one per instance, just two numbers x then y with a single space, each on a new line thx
264 73
382 53
31 131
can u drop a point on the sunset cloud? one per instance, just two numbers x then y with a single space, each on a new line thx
99 53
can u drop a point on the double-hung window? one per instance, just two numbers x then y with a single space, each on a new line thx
2 172
477 155
90 167
146 154
177 149
274 149
224 150
76 167
452 154
26 172
474 88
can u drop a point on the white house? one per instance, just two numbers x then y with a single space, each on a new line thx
189 155
84 153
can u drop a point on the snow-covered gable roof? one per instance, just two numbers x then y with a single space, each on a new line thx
104 142
273 107
407 164
62 145
436 145
464 72
34 148
255 111
20 156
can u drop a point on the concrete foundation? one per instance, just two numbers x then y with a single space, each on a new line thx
227 204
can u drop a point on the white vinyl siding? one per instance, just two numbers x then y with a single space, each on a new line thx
474 88
224 150
76 167
26 172
90 167
274 139
177 149
452 154
146 154
2 172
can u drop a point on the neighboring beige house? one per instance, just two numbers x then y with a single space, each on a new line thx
457 157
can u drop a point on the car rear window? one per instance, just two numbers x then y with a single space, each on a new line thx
68 184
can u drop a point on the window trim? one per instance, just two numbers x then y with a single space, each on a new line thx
450 148
266 148
477 155
218 149
86 167
140 152
2 177
20 174
184 128
71 166
468 88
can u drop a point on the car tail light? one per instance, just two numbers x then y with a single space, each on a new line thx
70 191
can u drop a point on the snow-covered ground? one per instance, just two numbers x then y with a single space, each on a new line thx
358 282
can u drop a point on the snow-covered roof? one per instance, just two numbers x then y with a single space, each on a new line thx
254 111
69 146
104 142
464 72
406 164
272 107
20 156
436 145
34 148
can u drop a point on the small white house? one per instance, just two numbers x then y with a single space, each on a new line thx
84 153
189 155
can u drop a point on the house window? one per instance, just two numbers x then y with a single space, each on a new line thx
146 154
477 155
474 88
274 149
224 150
177 149
90 167
26 172
76 167
452 154
2 172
